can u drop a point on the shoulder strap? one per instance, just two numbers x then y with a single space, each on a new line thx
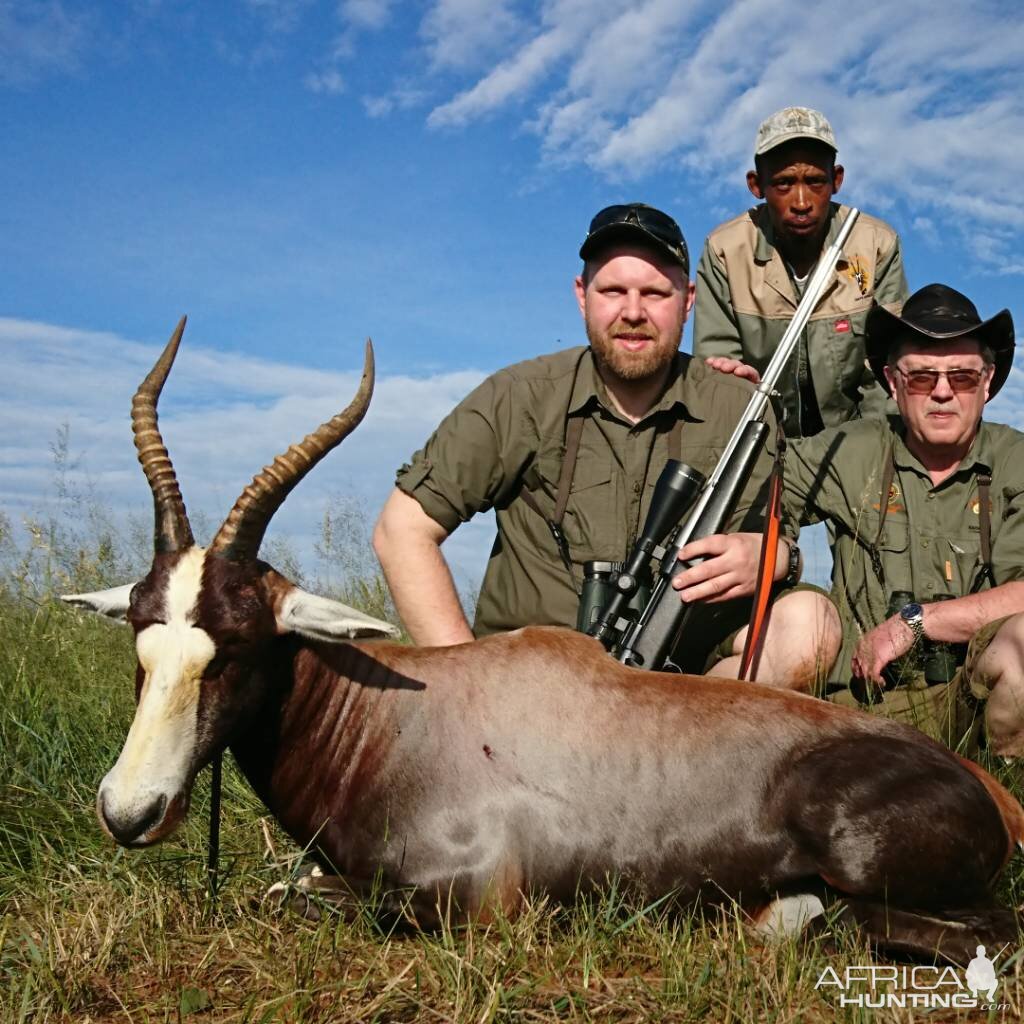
985 531
573 433
888 472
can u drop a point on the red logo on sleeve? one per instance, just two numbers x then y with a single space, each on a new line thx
842 326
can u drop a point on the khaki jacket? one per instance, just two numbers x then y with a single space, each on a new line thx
746 299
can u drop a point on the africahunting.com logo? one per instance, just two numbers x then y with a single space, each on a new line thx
917 987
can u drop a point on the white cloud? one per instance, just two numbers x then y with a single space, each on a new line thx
39 39
400 98
223 417
564 25
329 82
464 33
928 111
280 15
372 14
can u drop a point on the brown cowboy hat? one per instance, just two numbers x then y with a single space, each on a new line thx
939 313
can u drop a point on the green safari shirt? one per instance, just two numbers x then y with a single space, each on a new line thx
509 434
930 543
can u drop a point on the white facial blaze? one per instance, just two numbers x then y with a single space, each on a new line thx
161 743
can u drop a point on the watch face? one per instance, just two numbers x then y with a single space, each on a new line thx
911 611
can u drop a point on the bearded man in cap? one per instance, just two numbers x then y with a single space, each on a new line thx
567 448
754 268
928 513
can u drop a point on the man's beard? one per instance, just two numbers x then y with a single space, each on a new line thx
650 361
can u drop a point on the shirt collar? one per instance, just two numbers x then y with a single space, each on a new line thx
589 390
979 457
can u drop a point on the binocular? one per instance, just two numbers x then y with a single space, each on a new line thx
616 595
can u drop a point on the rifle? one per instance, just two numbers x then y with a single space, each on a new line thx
700 507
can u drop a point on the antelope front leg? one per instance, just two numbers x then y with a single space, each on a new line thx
315 893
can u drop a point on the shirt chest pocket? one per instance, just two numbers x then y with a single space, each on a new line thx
894 555
591 514
593 522
963 554
701 457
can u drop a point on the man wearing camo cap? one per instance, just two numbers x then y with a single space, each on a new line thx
754 268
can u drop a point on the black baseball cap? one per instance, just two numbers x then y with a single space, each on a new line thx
637 223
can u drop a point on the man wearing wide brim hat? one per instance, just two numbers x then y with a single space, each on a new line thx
754 269
928 512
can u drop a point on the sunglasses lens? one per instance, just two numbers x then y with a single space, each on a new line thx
654 221
660 224
964 380
609 215
924 382
921 382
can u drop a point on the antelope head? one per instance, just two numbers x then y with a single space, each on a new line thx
205 620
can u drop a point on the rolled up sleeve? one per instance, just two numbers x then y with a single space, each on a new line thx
468 464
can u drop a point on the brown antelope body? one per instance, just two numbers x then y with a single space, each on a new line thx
531 761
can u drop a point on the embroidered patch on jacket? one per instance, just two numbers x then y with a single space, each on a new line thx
893 502
855 269
842 326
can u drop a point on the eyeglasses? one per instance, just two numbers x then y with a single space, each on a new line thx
651 220
924 382
647 217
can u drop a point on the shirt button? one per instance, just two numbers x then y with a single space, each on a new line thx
929 586
924 543
636 487
931 496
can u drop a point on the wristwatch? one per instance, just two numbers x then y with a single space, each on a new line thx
796 564
913 615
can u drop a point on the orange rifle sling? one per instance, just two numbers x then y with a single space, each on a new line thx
765 577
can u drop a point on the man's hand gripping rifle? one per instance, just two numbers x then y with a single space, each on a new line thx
699 506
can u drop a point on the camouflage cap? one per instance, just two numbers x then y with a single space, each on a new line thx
793 123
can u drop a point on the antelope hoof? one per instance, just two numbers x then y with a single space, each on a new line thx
787 916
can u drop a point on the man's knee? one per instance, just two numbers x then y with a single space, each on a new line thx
809 618
1000 671
804 635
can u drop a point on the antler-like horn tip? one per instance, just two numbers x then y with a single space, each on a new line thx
368 361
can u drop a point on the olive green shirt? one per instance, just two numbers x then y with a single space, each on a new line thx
509 434
930 542
746 298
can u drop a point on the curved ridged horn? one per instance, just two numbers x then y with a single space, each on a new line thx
240 535
171 528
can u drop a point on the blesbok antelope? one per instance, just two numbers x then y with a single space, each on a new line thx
532 761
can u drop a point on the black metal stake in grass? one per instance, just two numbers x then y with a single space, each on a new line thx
213 850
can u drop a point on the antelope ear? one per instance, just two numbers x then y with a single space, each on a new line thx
113 602
320 618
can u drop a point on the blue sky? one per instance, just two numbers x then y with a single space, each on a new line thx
297 175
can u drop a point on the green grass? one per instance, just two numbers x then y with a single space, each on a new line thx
90 932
